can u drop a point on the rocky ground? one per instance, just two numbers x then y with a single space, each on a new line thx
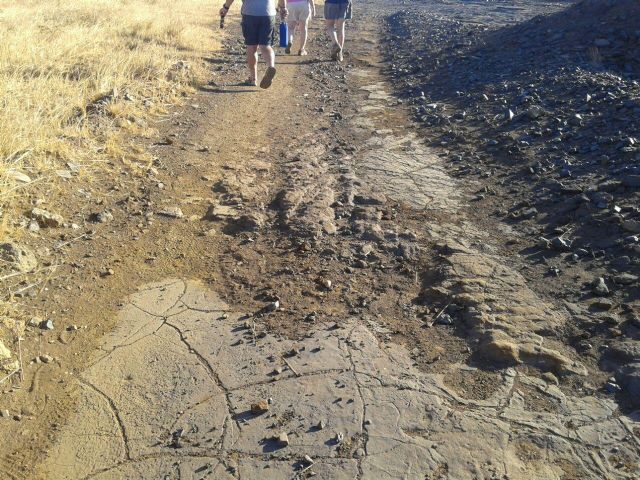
544 114
301 286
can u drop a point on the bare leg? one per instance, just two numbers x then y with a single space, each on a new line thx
340 33
269 55
331 32
252 61
292 29
303 33
270 59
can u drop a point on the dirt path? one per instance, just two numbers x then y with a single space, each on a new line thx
324 306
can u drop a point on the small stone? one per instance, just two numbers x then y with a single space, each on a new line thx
370 199
625 279
321 425
326 283
259 408
283 439
171 212
600 287
46 358
102 217
339 438
46 219
46 325
308 460
5 413
612 387
561 244
360 453
72 328
444 319
550 378
273 306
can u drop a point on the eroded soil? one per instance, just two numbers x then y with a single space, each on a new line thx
328 264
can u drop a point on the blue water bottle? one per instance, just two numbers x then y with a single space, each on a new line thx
284 33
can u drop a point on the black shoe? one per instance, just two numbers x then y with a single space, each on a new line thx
288 49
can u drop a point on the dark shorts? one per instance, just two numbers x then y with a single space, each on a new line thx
336 11
258 30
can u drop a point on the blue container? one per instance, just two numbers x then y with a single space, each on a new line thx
284 34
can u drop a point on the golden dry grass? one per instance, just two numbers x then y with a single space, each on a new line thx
75 74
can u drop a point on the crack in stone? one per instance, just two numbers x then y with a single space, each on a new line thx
116 414
363 426
212 374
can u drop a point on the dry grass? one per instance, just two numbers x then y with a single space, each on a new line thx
75 74
79 79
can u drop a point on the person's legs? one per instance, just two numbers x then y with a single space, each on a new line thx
303 35
270 59
292 28
340 33
252 62
331 31
268 54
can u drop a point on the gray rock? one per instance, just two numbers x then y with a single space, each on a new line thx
47 325
612 387
561 244
632 226
102 217
370 199
19 257
172 212
625 279
600 287
444 319
46 358
628 377
47 219
626 351
283 439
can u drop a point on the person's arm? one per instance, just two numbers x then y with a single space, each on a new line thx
282 7
225 7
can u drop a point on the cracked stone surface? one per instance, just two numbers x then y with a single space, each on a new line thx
170 397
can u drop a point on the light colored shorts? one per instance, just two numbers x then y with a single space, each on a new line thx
299 11
336 11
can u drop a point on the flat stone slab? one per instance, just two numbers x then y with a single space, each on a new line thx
170 395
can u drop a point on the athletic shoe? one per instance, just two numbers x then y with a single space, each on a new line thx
288 49
303 53
268 77
249 82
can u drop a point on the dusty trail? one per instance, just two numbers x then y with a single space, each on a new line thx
326 266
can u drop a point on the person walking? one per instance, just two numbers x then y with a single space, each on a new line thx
299 13
335 14
258 29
